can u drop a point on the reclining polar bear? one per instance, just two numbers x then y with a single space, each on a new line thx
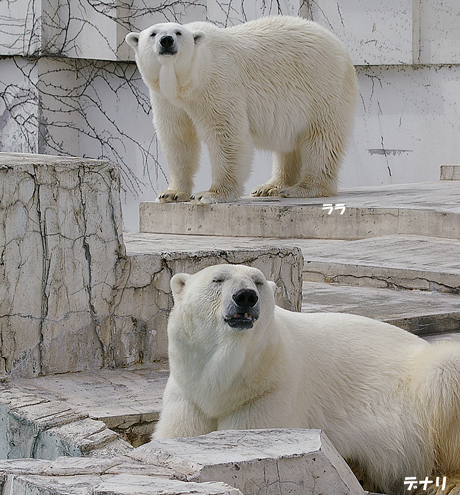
282 84
388 401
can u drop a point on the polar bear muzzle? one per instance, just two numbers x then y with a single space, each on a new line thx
243 309
167 45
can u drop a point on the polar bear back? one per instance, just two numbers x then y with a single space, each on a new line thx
285 70
348 345
349 366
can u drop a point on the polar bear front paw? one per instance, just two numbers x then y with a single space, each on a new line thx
266 190
310 191
208 197
172 196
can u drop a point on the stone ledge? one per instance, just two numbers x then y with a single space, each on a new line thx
408 262
128 401
252 462
420 312
36 427
408 209
257 461
404 262
121 484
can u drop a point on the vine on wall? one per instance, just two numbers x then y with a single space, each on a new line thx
65 90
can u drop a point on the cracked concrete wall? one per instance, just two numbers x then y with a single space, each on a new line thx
60 247
70 297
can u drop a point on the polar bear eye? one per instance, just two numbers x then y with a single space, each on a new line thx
178 33
218 280
153 34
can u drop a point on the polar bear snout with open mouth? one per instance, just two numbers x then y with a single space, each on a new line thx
242 309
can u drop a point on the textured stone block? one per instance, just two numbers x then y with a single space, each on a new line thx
69 476
369 212
450 172
128 484
61 242
258 462
263 462
35 427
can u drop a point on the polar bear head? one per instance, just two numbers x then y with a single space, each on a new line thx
229 298
221 323
167 43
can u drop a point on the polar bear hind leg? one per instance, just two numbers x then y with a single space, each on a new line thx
320 156
286 168
321 148
311 170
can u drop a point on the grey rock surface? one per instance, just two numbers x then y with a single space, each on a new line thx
265 462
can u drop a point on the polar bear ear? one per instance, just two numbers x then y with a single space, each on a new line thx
132 39
274 287
199 37
178 284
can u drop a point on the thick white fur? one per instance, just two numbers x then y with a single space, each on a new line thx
388 400
282 84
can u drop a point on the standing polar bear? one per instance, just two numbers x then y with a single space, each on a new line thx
282 84
388 400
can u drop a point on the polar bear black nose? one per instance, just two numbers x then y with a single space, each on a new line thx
246 298
167 41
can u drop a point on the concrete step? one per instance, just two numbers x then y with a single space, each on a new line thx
354 276
128 401
419 312
450 172
408 262
252 462
405 262
431 208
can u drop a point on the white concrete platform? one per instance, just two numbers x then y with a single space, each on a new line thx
257 461
128 401
406 262
450 172
354 276
430 208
